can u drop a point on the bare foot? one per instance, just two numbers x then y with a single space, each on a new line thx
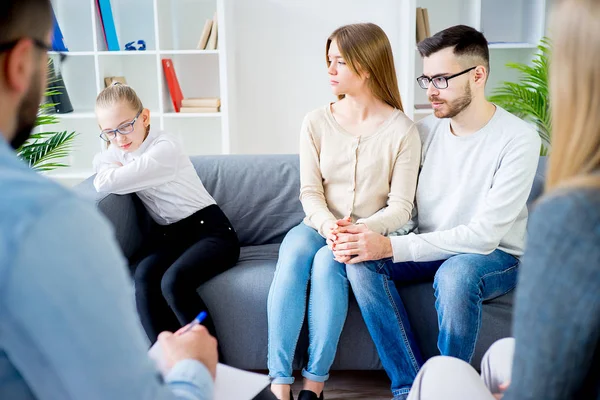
282 392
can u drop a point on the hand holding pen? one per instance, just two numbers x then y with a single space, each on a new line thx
192 342
197 321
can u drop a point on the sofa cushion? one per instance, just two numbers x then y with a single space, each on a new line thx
538 183
237 300
259 194
419 301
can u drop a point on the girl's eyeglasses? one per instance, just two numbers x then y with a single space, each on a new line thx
124 129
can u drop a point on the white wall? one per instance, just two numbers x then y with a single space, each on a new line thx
277 63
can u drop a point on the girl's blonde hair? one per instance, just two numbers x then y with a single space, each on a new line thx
117 93
367 50
575 95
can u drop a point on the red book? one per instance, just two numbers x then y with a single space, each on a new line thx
172 83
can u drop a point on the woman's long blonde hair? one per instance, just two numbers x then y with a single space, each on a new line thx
575 95
367 50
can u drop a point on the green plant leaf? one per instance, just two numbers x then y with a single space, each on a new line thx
44 150
529 97
40 153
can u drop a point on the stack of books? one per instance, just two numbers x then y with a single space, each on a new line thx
200 105
187 105
423 31
209 38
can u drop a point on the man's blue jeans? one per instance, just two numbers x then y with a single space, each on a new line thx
461 284
304 256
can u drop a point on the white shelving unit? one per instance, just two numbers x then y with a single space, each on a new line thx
513 29
171 29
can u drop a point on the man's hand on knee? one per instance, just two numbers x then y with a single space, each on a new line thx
361 244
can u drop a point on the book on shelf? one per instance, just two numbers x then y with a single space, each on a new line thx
213 38
58 40
201 102
205 34
172 83
199 109
422 24
108 25
109 80
426 18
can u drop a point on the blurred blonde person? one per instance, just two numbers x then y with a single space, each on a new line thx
557 311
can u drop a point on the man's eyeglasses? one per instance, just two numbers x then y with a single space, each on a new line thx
440 82
38 43
124 129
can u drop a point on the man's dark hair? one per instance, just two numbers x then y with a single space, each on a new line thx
465 40
24 19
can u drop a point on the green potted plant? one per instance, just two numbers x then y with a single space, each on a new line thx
528 98
45 151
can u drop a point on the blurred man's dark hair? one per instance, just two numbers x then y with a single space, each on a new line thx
24 19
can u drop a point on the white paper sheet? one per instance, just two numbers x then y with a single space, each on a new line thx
237 384
231 383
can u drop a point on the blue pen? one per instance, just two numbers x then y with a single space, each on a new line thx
197 321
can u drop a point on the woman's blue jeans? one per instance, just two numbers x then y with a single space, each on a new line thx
303 257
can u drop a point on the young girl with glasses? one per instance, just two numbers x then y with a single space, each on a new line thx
191 240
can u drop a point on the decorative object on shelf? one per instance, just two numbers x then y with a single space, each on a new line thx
205 35
423 30
172 83
42 151
529 98
213 38
108 25
109 80
141 45
58 97
58 40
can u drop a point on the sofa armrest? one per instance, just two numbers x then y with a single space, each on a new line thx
125 212
538 183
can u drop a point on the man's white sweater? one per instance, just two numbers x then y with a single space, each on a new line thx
472 190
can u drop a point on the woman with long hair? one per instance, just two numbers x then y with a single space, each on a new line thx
359 159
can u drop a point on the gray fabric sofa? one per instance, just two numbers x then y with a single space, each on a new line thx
259 194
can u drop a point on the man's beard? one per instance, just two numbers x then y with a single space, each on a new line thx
27 113
456 106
